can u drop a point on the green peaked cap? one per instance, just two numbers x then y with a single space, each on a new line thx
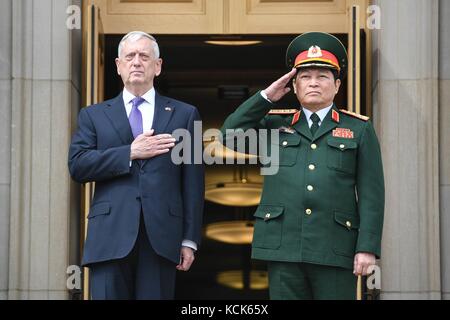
311 45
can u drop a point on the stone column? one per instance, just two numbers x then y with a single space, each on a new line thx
406 107
444 142
5 141
45 97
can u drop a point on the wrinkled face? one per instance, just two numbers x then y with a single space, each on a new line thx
316 88
137 65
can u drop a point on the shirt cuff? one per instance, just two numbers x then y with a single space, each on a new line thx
264 95
189 244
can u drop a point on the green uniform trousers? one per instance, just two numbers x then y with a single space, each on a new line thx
306 281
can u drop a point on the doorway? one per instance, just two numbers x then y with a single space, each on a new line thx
217 79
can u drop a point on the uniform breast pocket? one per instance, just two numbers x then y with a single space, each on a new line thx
341 155
284 151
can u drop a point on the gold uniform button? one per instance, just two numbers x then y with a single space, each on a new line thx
310 188
285 143
312 167
348 224
308 211
314 146
342 146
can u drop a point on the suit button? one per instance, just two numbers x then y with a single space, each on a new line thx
142 171
348 224
312 167
314 146
310 188
308 212
285 143
342 146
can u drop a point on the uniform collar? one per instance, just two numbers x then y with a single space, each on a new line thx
329 122
322 113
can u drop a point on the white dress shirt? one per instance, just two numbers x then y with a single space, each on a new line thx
147 109
322 113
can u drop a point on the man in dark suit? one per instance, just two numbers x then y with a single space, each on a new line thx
320 220
146 214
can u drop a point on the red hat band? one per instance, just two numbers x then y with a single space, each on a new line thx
315 54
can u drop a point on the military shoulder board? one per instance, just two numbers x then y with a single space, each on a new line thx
282 111
355 115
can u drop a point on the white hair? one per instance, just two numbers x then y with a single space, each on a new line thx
135 36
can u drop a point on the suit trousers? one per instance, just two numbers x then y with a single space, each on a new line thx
142 275
306 281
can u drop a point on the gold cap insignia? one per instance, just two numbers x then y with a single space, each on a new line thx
314 52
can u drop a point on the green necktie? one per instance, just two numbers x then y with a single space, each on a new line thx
315 123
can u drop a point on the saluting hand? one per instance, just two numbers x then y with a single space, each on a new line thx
147 145
278 89
362 262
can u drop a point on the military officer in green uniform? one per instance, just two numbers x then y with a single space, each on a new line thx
320 219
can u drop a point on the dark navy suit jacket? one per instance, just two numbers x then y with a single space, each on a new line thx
170 196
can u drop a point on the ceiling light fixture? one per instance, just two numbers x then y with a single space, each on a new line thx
259 280
231 232
237 194
233 42
214 149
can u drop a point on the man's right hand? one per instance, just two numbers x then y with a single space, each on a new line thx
147 146
278 89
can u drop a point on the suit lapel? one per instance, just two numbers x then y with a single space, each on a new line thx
163 113
327 125
117 115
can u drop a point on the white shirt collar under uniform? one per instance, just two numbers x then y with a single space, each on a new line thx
322 113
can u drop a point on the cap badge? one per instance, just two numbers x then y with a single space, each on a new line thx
314 52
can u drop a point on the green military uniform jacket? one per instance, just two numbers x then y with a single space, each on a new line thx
326 201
